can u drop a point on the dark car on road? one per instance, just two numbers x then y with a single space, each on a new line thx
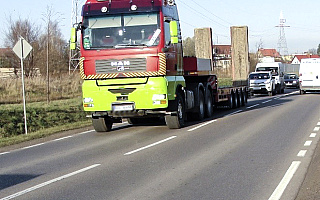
291 80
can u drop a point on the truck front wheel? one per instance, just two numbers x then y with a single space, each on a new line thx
176 119
102 124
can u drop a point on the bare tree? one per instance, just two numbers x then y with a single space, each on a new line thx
28 31
312 51
55 45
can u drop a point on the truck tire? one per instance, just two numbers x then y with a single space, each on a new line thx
230 101
102 124
176 120
201 110
209 104
236 100
245 98
241 99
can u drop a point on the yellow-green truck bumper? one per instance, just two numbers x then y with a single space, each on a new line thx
125 97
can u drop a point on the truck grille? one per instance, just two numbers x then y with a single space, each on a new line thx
121 66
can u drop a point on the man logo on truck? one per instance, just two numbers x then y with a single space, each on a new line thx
120 65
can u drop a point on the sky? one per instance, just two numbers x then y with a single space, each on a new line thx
261 17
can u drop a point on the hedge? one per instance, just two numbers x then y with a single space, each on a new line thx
40 115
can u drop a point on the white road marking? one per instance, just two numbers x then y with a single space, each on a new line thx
253 106
33 146
276 195
316 129
4 153
49 182
308 143
151 145
85 132
234 112
267 101
63 138
313 135
302 153
318 124
202 125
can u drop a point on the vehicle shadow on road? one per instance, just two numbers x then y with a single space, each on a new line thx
7 181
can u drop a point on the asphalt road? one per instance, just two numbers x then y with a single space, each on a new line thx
261 151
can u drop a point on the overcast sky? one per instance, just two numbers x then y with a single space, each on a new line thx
261 17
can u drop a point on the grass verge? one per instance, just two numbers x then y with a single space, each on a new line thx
7 141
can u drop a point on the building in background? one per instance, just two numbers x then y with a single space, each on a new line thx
222 56
297 58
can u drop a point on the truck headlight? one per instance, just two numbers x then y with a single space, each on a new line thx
87 100
159 96
159 99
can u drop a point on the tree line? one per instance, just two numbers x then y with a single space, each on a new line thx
50 51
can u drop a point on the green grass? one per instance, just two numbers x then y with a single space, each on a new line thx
40 115
7 141
225 82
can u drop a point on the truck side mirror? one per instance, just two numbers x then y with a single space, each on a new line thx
73 38
174 32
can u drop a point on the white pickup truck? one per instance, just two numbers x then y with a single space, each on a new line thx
261 83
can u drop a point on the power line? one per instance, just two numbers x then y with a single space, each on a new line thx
211 12
282 43
202 15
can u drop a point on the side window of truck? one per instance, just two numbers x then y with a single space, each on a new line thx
167 33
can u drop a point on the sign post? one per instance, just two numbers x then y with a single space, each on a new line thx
22 50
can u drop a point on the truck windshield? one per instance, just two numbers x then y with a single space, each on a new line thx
121 31
259 76
273 70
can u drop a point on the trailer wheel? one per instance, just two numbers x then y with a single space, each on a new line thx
230 101
246 94
240 99
236 100
176 120
209 104
201 110
102 124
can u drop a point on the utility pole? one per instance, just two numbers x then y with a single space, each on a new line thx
282 43
74 55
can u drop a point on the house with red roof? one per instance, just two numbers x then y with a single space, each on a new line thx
222 56
268 53
297 58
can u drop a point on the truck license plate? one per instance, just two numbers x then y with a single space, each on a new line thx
125 107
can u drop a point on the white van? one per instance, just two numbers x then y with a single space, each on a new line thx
277 70
309 75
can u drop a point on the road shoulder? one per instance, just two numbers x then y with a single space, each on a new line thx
310 188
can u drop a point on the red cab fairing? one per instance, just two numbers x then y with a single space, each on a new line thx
133 40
